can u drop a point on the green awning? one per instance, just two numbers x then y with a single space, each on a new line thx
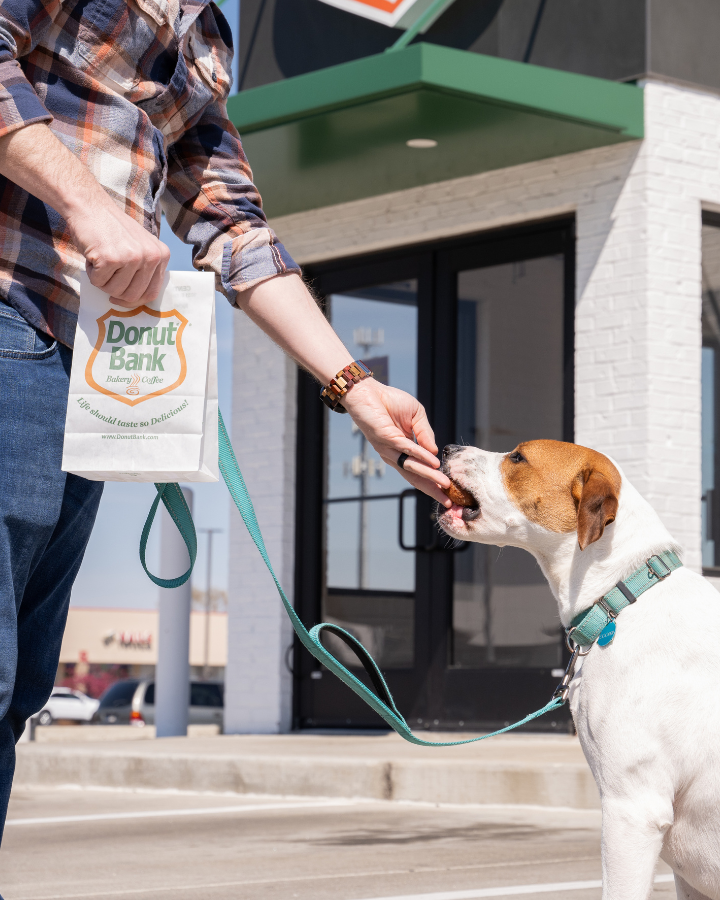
340 134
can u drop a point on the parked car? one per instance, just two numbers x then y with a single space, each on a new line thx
65 703
132 702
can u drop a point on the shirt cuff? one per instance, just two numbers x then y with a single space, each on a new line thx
19 104
251 258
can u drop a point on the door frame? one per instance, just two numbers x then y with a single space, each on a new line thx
434 264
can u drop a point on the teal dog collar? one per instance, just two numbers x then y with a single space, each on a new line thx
588 626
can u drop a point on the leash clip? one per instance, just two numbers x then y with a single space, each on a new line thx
575 648
654 571
563 689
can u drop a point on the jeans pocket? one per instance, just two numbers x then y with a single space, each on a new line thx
19 340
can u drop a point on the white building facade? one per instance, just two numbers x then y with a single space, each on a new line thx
635 210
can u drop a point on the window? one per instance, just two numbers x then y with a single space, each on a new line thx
120 694
203 694
509 389
369 578
710 391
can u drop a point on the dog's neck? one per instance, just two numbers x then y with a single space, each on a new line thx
578 578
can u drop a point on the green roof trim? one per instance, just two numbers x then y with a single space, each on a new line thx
339 133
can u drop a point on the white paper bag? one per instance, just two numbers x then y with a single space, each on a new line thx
143 387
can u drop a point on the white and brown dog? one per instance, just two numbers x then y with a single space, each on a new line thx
647 706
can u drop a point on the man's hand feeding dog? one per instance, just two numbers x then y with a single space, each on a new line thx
647 704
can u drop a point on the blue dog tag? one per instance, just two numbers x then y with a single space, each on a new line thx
607 634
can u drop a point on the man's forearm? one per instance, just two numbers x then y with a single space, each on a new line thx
393 421
285 310
39 162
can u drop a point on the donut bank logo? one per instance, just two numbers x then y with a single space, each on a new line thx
138 354
389 12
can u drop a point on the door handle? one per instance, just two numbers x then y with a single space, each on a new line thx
434 545
427 548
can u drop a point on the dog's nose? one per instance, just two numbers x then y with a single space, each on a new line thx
451 450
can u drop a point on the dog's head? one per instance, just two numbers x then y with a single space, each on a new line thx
540 487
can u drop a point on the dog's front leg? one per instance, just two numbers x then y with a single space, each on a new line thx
631 844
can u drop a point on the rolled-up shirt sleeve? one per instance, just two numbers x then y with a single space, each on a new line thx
212 203
21 21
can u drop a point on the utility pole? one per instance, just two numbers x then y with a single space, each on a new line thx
172 674
208 592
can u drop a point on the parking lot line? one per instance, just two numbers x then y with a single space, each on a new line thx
477 894
513 890
170 813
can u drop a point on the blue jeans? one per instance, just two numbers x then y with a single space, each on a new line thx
46 517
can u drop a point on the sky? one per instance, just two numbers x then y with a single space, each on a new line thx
111 574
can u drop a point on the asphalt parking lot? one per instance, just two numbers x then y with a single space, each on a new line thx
73 843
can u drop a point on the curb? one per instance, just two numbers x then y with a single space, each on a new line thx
434 781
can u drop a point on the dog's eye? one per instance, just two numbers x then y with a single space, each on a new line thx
517 457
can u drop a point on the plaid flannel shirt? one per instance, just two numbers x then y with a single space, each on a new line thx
141 100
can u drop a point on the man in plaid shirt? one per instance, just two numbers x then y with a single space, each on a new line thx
111 111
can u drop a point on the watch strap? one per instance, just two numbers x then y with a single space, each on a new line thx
332 393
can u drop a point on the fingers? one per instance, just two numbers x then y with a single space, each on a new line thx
430 476
121 258
421 476
388 418
415 452
153 288
138 280
423 432
146 282
426 486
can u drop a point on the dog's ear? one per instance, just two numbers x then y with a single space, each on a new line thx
597 507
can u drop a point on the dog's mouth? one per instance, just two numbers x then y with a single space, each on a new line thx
465 505
472 512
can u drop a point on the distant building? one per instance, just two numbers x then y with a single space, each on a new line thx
518 214
100 646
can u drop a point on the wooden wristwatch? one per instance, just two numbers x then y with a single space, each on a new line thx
341 384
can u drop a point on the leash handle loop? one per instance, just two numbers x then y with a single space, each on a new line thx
175 503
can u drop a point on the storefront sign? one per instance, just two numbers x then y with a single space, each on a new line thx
388 12
141 640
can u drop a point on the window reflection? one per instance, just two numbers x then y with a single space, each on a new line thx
509 389
369 578
710 393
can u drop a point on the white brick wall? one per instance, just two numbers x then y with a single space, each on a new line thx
258 690
637 207
637 337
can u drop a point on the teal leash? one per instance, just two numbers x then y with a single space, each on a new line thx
381 700
172 496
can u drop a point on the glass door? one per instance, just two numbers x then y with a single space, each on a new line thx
509 375
357 566
469 636
512 377
369 583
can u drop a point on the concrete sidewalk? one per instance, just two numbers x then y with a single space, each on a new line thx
520 769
